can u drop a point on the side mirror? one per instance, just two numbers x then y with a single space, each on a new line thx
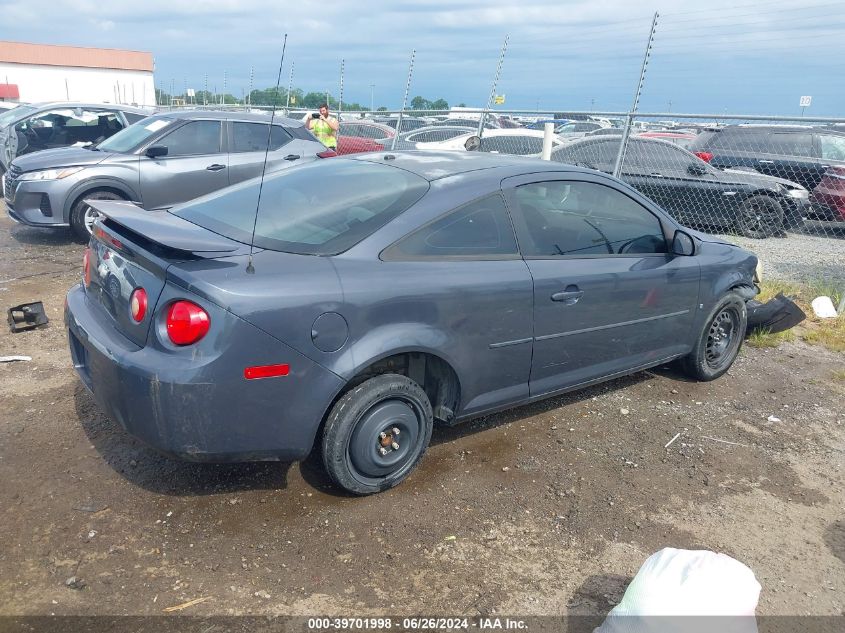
683 244
472 143
156 151
697 169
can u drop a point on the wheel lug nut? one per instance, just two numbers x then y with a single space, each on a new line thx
383 451
395 431
395 446
382 435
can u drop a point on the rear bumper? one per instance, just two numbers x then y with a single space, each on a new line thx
199 406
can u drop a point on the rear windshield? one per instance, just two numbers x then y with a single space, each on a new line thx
321 208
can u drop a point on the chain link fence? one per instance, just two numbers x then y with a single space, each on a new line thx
774 185
771 184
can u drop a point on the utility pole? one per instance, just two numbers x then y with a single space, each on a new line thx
251 71
617 168
372 97
592 104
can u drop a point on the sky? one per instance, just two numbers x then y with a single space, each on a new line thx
715 56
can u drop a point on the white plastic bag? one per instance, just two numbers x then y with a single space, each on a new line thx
683 590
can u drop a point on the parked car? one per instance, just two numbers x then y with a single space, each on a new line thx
489 124
38 126
814 157
159 161
520 142
408 122
577 129
429 134
691 190
366 129
356 145
354 326
681 139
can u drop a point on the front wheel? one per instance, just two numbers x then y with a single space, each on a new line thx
760 217
82 216
376 434
720 340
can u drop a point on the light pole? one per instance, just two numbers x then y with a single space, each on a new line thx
372 97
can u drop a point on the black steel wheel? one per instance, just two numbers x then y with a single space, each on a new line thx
719 341
760 217
376 434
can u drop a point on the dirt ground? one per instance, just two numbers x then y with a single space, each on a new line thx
547 509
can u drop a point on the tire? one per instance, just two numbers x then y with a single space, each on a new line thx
760 217
720 340
352 441
82 215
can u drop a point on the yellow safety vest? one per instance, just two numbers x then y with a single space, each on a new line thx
324 132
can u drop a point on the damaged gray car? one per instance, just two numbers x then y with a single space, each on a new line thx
369 297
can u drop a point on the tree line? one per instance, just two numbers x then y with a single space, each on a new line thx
278 97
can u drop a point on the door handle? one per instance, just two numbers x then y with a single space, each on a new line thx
292 157
569 297
215 167
766 162
657 175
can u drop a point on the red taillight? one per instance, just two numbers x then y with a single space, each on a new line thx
266 371
138 304
187 323
705 156
329 153
86 267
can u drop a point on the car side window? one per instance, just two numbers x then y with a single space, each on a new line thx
520 145
597 153
131 117
193 138
252 137
478 230
833 147
575 218
656 156
791 143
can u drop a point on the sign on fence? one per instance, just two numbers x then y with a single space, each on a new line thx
805 102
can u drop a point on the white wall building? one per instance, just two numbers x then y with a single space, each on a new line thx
69 73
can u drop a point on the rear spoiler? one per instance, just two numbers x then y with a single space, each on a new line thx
164 228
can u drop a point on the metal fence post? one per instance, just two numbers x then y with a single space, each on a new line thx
548 132
404 101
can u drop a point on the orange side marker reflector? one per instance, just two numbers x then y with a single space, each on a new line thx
266 371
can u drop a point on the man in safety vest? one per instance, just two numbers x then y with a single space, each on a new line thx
324 127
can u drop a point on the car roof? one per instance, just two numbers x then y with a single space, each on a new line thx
70 105
435 165
225 115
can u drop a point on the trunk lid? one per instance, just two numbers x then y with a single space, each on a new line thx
132 248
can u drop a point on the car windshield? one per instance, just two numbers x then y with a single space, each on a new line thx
131 137
10 116
322 208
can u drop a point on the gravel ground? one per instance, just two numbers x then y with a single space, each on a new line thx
548 509
817 255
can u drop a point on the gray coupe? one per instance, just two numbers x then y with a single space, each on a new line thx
372 296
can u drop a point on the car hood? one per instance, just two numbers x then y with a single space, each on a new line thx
748 178
758 176
60 157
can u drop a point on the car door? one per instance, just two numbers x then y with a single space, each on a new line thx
463 275
791 155
248 146
195 164
678 181
608 297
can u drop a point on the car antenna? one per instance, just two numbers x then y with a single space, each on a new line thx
250 269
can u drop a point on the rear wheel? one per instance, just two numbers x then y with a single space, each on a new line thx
82 216
376 434
760 217
720 340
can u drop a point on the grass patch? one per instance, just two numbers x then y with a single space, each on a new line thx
839 375
829 333
762 337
